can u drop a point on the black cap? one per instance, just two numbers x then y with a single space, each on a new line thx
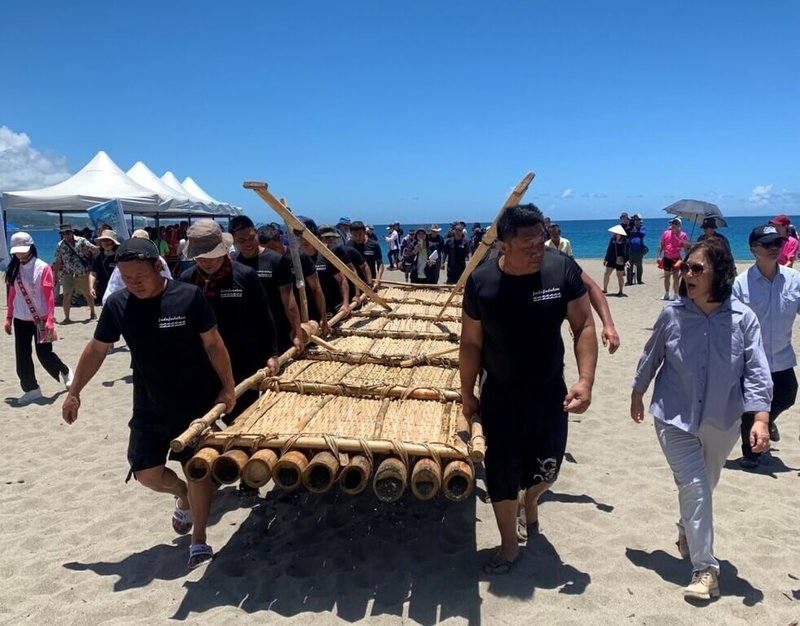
709 222
135 249
357 225
765 233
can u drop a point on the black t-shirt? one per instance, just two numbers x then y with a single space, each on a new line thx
521 318
173 379
309 267
327 273
103 265
244 319
274 271
371 253
456 253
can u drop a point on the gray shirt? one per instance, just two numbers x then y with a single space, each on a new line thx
708 369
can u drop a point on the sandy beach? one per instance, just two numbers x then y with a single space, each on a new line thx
79 546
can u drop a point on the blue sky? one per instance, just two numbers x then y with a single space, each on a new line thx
412 110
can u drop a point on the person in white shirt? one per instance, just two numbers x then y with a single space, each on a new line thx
558 242
115 282
393 243
31 314
772 291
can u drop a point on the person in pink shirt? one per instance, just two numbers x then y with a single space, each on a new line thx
790 247
673 241
31 305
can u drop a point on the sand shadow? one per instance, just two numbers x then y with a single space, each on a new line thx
127 380
161 562
568 498
540 567
770 465
352 556
43 401
678 572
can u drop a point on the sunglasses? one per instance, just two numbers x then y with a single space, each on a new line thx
696 269
772 244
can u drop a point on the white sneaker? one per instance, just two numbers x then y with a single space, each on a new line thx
665 296
29 396
67 378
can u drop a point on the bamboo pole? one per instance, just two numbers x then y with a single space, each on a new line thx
397 334
376 390
456 449
390 480
258 470
261 189
426 479
321 472
489 237
228 467
288 471
477 442
457 481
424 357
198 468
297 268
409 286
425 317
354 477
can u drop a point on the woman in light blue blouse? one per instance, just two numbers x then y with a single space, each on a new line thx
709 364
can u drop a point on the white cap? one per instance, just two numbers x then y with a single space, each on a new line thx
21 243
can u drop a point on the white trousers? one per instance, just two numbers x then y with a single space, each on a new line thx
696 462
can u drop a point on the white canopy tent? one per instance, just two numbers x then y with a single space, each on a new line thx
98 181
178 204
192 187
171 181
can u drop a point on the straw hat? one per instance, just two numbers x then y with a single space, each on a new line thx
435 228
140 233
110 235
618 229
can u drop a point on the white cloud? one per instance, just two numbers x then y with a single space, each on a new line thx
25 167
566 193
761 195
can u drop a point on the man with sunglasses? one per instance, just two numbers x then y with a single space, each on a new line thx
772 291
170 329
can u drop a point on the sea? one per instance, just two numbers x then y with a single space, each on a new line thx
589 238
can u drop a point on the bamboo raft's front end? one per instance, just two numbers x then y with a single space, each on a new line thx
375 406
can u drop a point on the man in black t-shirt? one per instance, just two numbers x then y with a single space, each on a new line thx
436 244
271 238
369 250
334 284
180 370
235 294
275 274
513 310
456 251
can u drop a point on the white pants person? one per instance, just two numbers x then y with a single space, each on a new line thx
696 462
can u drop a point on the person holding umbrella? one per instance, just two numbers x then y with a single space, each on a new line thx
709 227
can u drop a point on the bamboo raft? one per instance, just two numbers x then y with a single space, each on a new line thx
376 405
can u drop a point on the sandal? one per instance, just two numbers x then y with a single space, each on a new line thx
200 554
498 566
181 519
526 531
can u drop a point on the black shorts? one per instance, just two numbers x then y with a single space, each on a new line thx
669 264
148 444
526 436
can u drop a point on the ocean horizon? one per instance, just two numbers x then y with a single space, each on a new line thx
589 238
